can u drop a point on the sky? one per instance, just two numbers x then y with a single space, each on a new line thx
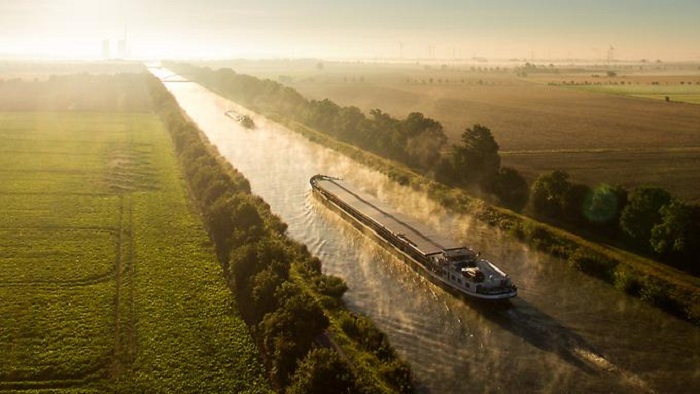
354 29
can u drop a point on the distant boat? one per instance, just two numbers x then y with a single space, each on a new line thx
245 120
455 267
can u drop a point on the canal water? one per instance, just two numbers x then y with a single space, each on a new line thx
565 332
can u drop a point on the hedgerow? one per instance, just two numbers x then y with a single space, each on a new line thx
289 305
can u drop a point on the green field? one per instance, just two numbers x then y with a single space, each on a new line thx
686 93
108 280
680 83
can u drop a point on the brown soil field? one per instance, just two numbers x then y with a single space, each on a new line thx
597 137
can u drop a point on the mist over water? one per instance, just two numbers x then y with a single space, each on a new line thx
565 332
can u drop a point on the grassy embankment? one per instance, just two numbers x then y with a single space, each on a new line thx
108 279
653 282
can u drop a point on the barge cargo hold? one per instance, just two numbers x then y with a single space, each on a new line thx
455 267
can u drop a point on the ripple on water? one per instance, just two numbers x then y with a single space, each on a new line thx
564 333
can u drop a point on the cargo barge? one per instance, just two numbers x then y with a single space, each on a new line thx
457 268
245 120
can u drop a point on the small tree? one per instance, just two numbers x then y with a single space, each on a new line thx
677 235
290 330
424 140
322 371
643 212
548 193
511 188
477 159
574 201
605 204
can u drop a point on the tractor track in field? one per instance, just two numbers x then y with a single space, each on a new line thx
124 324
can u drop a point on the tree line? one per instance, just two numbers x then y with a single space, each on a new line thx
647 219
417 141
288 318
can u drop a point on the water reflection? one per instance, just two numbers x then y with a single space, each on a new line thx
565 332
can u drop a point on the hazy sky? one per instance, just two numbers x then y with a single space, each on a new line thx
439 29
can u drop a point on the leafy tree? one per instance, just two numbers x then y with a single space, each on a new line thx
289 331
574 201
214 191
322 371
511 188
244 264
221 224
477 158
548 193
677 235
643 212
605 204
349 123
424 140
445 171
264 284
322 114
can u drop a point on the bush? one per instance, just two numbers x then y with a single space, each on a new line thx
322 371
626 280
592 264
400 374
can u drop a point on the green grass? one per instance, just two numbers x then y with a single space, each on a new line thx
108 281
687 93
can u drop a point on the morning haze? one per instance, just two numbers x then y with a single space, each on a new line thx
256 196
355 29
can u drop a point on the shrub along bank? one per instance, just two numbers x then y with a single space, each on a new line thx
655 283
292 309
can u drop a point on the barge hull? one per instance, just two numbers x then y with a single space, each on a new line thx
407 241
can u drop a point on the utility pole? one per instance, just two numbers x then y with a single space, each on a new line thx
611 55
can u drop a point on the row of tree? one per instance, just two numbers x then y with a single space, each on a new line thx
287 320
666 227
416 141
647 218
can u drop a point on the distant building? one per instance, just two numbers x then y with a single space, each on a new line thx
121 49
106 50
